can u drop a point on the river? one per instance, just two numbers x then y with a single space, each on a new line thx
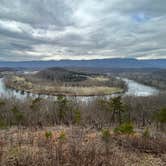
138 89
134 89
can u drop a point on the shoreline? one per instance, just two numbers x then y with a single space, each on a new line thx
43 92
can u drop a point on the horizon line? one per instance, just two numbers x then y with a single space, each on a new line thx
139 59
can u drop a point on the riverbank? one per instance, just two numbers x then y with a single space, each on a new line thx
24 85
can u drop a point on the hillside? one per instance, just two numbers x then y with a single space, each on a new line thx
155 78
64 132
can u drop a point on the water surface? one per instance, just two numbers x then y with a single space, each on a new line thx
138 89
134 89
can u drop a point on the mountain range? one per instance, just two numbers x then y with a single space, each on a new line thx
95 63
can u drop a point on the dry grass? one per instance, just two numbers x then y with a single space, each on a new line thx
99 78
88 91
77 147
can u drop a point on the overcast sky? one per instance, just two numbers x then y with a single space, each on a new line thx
82 29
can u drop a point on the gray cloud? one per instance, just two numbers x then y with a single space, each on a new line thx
72 29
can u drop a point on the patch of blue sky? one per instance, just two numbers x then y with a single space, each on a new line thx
140 17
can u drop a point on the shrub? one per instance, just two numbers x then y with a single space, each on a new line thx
62 103
161 115
35 104
62 136
77 116
2 124
146 133
18 115
126 128
2 103
106 135
48 134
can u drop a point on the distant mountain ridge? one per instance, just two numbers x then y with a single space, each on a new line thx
96 63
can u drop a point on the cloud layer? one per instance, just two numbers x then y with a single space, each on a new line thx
88 29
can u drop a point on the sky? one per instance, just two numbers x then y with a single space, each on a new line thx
82 29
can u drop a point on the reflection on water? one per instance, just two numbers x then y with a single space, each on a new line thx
134 88
137 89
6 92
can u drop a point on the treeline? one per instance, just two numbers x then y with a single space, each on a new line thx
98 114
61 75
